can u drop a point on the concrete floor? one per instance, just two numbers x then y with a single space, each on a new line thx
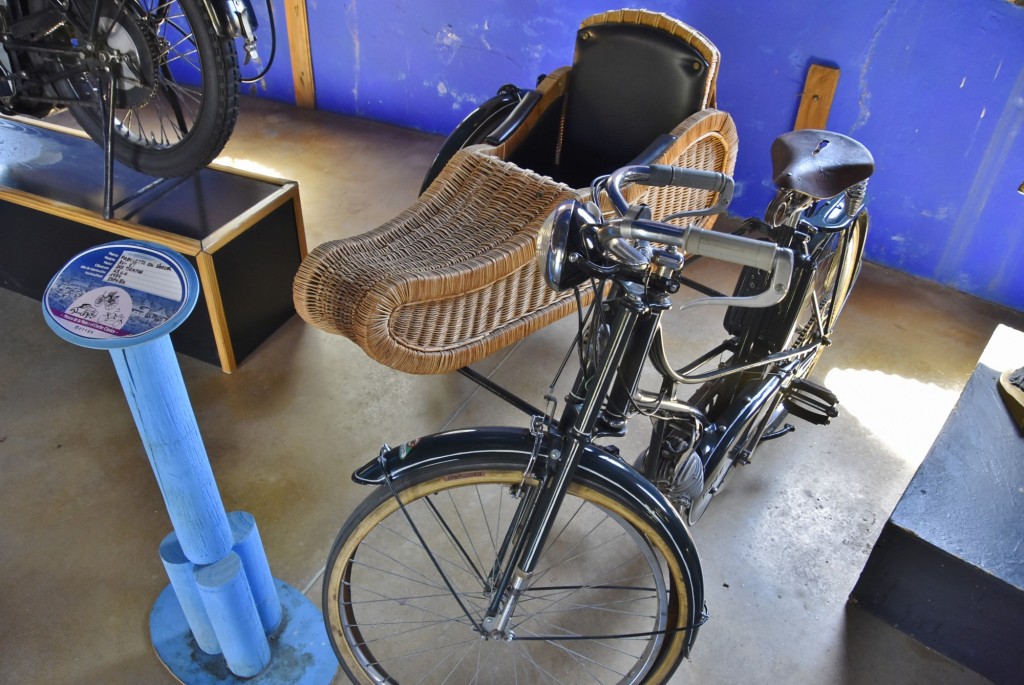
782 547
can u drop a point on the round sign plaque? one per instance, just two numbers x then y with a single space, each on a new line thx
120 294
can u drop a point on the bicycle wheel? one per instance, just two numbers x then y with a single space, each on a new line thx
604 606
175 90
838 260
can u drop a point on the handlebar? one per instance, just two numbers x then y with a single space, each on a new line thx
615 236
659 175
723 246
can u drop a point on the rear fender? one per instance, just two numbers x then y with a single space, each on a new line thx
599 468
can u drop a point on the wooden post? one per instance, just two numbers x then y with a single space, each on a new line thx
302 57
816 101
156 394
229 603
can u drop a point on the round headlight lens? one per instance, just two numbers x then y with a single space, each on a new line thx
560 236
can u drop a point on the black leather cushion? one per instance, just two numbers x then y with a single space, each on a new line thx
628 84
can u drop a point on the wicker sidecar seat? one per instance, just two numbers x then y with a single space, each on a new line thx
454 277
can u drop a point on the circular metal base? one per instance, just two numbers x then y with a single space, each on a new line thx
300 653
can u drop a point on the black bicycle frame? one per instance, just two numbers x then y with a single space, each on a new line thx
576 428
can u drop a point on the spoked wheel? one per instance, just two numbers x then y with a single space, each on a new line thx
838 265
601 607
176 85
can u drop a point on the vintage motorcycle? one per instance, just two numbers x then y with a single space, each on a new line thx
158 80
514 554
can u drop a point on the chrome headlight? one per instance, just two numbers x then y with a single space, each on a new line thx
565 244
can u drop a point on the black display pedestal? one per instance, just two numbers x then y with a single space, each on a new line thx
242 232
948 567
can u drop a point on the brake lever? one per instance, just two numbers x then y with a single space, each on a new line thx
778 286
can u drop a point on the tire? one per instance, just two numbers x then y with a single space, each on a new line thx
604 570
176 106
838 265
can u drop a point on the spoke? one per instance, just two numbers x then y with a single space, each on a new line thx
411 631
470 644
607 606
566 558
551 676
172 47
443 522
429 553
584 660
186 57
487 524
581 539
422 578
404 602
416 543
180 130
184 91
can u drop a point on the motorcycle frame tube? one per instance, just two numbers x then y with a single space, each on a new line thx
632 364
740 414
773 324
608 471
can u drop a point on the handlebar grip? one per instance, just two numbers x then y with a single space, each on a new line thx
699 241
731 248
666 175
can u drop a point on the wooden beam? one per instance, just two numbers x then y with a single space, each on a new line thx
816 100
302 57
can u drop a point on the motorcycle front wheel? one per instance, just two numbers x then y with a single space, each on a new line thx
176 86
406 585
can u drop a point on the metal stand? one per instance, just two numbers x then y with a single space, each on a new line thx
107 94
107 110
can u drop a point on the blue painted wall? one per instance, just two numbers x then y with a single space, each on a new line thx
935 89
277 83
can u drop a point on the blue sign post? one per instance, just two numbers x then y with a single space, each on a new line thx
223 606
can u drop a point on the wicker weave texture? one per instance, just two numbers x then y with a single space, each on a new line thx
450 280
706 140
454 278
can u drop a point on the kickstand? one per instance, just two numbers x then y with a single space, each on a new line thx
107 110
107 113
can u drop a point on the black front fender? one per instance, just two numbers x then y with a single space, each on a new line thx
598 467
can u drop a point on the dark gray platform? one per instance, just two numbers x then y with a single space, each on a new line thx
948 567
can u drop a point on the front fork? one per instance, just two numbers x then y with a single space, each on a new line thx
562 461
235 19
